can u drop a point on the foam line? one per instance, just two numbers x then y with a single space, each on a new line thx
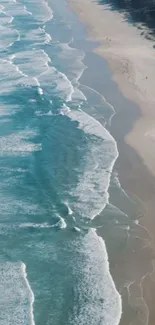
23 267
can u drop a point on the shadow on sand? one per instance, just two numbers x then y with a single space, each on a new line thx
135 11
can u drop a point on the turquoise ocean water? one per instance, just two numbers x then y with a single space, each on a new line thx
55 165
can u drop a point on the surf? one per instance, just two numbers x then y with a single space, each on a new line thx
48 197
18 299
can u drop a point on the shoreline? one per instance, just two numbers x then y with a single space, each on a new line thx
129 154
132 71
136 174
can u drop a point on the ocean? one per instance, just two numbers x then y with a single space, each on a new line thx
56 162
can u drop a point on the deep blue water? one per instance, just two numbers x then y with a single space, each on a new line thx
55 165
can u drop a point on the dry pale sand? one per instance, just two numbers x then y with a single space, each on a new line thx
131 58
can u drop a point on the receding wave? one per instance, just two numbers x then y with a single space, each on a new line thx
59 224
96 300
18 144
17 301
38 78
8 37
42 13
92 189
38 36
70 212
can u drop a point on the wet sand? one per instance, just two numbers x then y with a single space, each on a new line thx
131 58
132 95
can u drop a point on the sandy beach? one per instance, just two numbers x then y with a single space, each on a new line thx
131 58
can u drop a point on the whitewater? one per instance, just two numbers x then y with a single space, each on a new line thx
56 162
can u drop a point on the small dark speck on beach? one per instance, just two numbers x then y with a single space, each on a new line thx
146 77
154 46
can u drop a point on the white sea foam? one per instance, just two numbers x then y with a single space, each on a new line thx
27 11
61 223
114 210
117 183
57 84
11 207
16 302
98 301
12 76
88 123
1 8
32 100
38 36
42 13
40 91
10 170
102 101
8 110
72 62
36 225
70 212
48 38
37 82
65 110
11 19
18 143
4 227
91 192
34 66
73 59
49 113
8 36
15 9
78 95
32 63
4 19
71 53
77 229
31 294
39 113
